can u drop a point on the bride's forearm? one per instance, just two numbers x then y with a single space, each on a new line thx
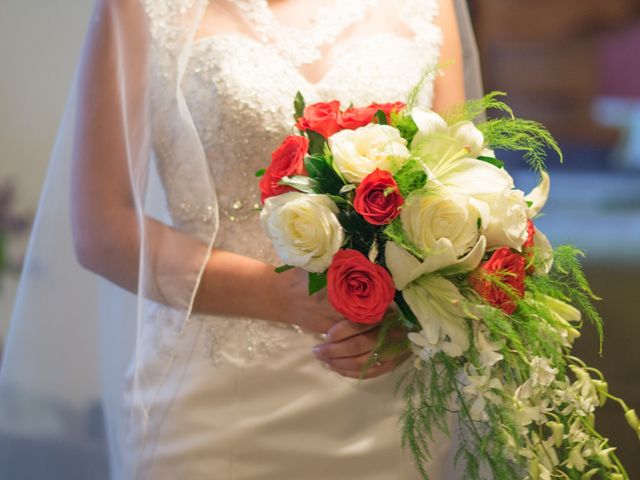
236 285
230 284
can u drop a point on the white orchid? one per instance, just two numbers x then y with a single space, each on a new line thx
481 388
542 374
487 351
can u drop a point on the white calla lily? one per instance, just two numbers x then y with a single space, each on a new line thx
537 198
405 268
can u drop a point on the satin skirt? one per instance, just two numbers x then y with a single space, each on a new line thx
281 418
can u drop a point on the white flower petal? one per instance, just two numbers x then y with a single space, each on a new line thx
428 122
469 136
539 195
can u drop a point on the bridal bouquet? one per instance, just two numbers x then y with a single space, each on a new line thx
395 204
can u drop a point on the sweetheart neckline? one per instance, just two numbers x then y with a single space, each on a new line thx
234 36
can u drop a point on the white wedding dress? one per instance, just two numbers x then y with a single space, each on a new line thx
253 402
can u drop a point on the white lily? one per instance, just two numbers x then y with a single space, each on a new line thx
544 251
405 268
537 198
437 304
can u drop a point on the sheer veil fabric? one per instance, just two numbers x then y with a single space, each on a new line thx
71 383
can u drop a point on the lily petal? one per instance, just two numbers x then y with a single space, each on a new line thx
428 121
539 195
405 268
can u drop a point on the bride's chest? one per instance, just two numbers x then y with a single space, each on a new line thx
242 90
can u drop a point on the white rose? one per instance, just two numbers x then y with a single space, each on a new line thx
428 217
304 229
357 153
507 226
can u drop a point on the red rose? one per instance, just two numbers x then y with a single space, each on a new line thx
353 117
531 231
506 267
320 117
527 247
387 108
287 160
378 199
359 289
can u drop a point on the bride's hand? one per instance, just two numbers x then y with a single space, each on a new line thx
293 304
349 347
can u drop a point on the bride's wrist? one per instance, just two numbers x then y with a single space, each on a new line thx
273 286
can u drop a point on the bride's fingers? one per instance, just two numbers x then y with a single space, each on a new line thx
358 363
345 329
349 347
374 371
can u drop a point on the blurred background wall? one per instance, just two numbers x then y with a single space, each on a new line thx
39 47
572 64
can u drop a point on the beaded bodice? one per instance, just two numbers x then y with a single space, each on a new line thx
239 90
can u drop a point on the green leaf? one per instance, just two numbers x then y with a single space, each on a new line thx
405 125
283 268
411 177
260 172
326 178
493 161
396 233
317 281
381 117
347 188
529 137
410 318
298 105
360 232
338 199
316 143
300 183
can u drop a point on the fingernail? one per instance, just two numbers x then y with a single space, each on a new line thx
316 350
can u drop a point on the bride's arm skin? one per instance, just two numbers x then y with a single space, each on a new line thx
106 228
348 347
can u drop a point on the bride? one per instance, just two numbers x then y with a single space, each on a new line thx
209 364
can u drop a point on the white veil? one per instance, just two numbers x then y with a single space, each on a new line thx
69 381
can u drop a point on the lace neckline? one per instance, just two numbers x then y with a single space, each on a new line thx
296 45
